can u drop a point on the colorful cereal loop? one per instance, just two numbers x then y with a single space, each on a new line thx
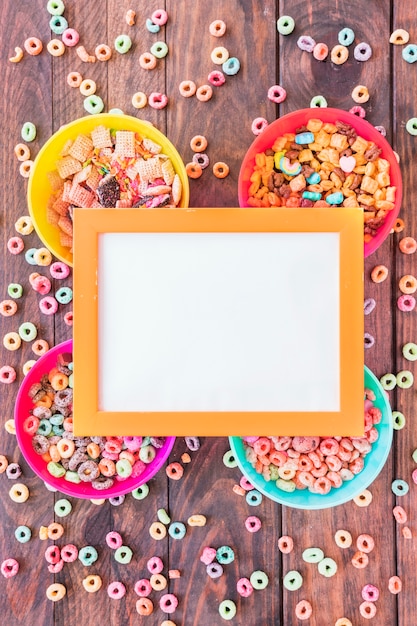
363 499
303 610
285 25
144 606
227 609
56 592
367 610
395 584
217 28
92 583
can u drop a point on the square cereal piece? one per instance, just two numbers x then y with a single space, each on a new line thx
81 148
66 191
52 216
67 166
383 179
125 144
298 183
101 137
65 224
93 179
382 165
149 169
369 185
65 240
60 206
80 196
322 138
340 142
55 180
366 199
168 172
314 125
330 128
82 175
151 146
359 145
66 148
350 202
305 156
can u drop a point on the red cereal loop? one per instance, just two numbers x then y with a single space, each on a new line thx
216 78
7 374
157 100
174 471
9 568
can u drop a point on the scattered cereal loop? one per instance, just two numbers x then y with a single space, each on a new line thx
7 374
318 102
130 17
306 43
399 37
303 610
25 168
360 94
343 621
217 28
187 88
277 94
362 52
56 592
346 36
159 17
18 55
19 493
359 111
70 37
93 104
220 169
395 585
88 87
122 44
320 51
399 487
409 53
158 100
367 610
92 583
24 225
74 79
227 609
147 61
363 499
84 55
55 7
285 25
33 46
9 568
219 55
204 93
258 125
339 54
408 245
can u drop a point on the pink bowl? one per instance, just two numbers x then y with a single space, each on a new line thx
291 121
22 410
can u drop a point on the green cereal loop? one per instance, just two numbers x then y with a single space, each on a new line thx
62 507
399 487
44 428
116 111
285 25
292 580
55 469
318 102
313 555
253 497
72 477
410 351
327 567
140 492
123 43
346 37
147 454
123 468
28 131
23 534
258 579
145 441
93 104
225 555
405 379
55 7
29 256
71 381
163 517
273 473
15 290
388 381
411 126
64 295
229 459
398 420
58 24
123 555
27 331
414 456
88 555
177 530
227 609
159 49
285 485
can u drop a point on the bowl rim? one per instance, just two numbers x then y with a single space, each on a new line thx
331 112
60 484
97 118
335 497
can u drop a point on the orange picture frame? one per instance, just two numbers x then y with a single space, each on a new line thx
91 418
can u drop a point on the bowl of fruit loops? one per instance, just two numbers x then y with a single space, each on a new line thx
323 471
104 160
83 467
325 158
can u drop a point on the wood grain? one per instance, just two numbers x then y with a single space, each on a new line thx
36 90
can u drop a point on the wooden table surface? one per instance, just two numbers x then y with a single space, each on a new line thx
36 90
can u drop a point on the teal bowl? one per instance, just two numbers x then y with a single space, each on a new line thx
304 499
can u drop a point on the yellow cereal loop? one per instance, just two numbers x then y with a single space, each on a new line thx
197 520
157 531
43 533
56 592
363 499
24 225
42 257
10 426
98 501
92 583
12 341
19 493
27 366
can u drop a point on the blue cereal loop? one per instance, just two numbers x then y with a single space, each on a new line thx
346 36
314 178
231 66
64 295
254 497
304 138
152 28
88 555
399 487
409 53
225 555
335 198
177 530
23 534
29 256
58 24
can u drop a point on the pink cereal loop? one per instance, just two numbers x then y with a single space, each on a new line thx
244 587
258 125
370 593
168 602
59 270
399 514
158 100
143 588
216 78
159 17
116 590
285 544
359 111
114 540
15 245
68 318
277 94
303 610
48 305
406 303
7 374
208 555
253 524
70 37
155 565
9 568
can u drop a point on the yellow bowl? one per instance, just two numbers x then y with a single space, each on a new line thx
39 189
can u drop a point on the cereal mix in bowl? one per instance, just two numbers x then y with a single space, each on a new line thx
324 159
85 467
102 161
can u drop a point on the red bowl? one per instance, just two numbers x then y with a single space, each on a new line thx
288 123
22 410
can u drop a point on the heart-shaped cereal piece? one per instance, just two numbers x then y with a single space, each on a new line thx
347 163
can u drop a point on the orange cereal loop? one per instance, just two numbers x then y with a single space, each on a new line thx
174 471
193 170
84 56
44 402
54 453
103 52
22 152
360 560
398 225
130 17
8 308
33 46
406 532
40 347
204 93
379 273
408 284
93 450
26 168
74 79
55 531
59 381
217 28
144 606
220 169
147 61
55 47
198 143
408 245
187 88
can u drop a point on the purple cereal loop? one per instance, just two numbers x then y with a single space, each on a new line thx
368 306
214 570
202 159
13 471
116 500
406 303
362 52
306 43
157 442
192 443
244 587
369 340
382 130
